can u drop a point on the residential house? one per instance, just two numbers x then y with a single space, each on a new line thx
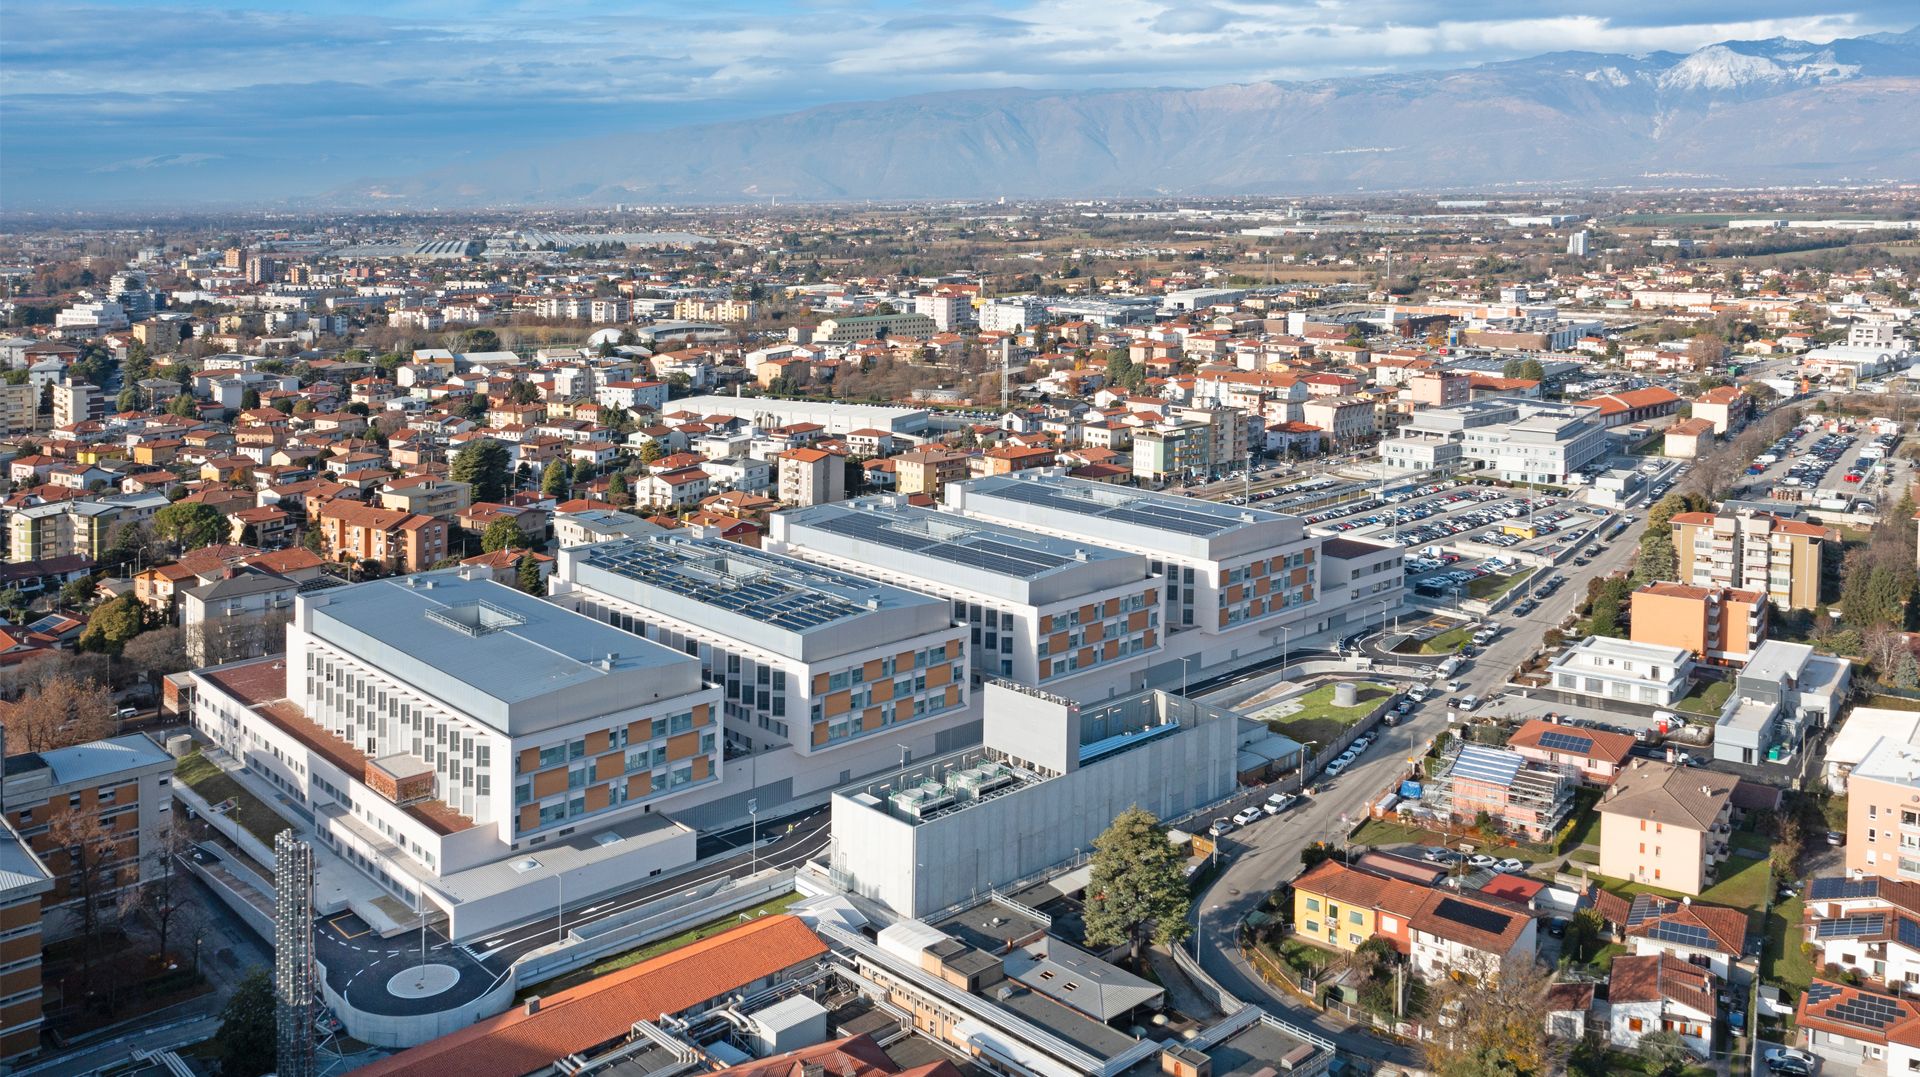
1661 993
399 541
1666 826
1596 755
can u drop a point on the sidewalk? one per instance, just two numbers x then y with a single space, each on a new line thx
1180 990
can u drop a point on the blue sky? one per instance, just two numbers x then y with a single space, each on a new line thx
107 103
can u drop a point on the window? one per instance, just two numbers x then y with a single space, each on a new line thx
1313 904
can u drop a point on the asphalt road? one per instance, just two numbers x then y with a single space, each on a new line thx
1267 852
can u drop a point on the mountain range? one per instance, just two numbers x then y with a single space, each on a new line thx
1776 111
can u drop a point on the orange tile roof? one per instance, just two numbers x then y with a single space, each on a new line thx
1615 747
603 1010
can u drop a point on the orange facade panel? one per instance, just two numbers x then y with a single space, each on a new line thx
548 782
609 766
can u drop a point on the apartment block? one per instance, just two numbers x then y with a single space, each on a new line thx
1666 826
811 476
805 656
427 495
1620 669
1753 551
928 471
1040 610
1883 813
19 408
1783 691
1720 625
123 783
24 883
77 402
436 725
400 541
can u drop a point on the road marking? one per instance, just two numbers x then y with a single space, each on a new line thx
335 924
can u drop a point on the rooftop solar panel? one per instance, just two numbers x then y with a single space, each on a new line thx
1186 516
1907 932
989 550
1681 934
1566 742
1868 1011
1821 992
1836 888
1487 765
1851 927
1477 917
735 582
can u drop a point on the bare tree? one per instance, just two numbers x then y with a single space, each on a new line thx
60 711
89 855
1496 1027
163 896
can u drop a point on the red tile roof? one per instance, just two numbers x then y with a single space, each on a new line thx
603 1010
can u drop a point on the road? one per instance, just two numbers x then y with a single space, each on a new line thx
1267 853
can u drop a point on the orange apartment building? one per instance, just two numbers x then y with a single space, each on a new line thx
24 881
401 541
1753 550
1724 625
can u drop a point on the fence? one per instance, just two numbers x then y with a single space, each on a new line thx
1277 974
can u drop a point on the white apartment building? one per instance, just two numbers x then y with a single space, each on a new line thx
90 319
460 741
804 656
949 312
1518 439
1039 610
1606 668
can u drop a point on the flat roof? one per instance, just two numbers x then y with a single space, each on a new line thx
777 602
20 870
508 659
973 554
1187 526
90 762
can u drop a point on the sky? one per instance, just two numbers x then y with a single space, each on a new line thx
119 102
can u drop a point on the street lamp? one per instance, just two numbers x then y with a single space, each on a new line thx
1184 669
560 911
753 813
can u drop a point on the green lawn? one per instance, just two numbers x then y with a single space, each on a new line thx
666 945
1448 642
1708 698
1492 587
201 775
1783 964
1743 885
1586 828
1603 959
1892 703
1303 957
1388 832
1585 856
1320 722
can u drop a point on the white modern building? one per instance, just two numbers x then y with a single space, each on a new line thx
1518 439
1039 610
462 741
1224 566
1606 668
836 419
1048 777
1784 689
806 658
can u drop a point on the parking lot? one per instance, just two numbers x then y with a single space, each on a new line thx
1837 470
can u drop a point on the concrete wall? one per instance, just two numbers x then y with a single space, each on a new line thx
918 869
384 1030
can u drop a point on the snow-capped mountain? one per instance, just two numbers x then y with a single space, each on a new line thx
1767 111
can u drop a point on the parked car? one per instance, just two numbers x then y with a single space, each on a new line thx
1247 815
1481 860
1279 802
1221 828
1834 837
1334 768
1510 866
1788 1060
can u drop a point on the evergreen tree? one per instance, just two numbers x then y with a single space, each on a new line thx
554 481
502 534
189 525
247 1038
530 579
484 465
112 624
617 491
1137 885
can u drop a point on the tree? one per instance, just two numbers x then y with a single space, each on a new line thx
582 471
132 545
554 480
1662 1054
91 863
165 894
157 652
250 399
477 339
617 491
1137 885
1493 1029
530 579
112 624
128 400
78 592
1584 934
502 534
63 710
650 453
485 466
182 406
1705 350
247 1036
189 525
522 392
1532 370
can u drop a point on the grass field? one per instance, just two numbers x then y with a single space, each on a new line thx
1784 964
1743 885
663 946
1492 587
1892 703
1320 722
201 775
1708 698
1447 642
